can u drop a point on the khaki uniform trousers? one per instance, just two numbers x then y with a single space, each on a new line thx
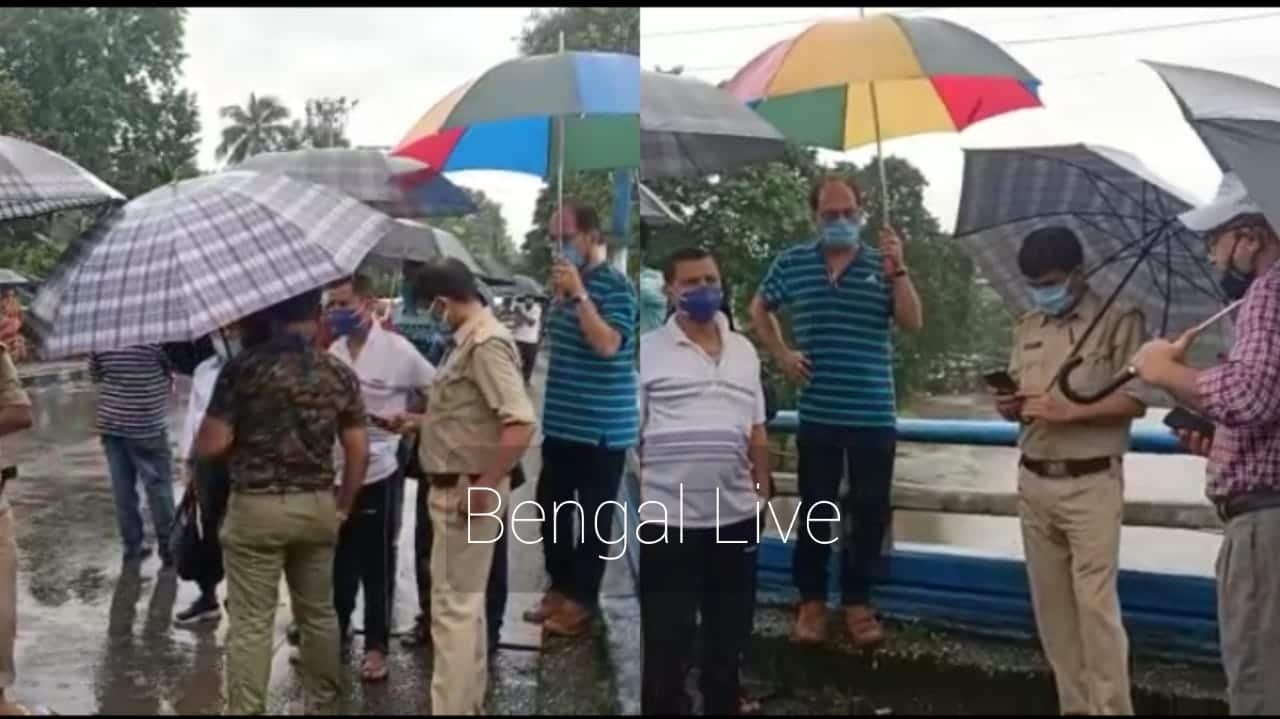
461 557
8 594
264 536
1071 537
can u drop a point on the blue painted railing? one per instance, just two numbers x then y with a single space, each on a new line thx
1166 613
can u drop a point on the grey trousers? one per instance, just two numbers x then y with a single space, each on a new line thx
1249 611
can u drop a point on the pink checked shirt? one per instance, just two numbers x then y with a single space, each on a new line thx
1242 397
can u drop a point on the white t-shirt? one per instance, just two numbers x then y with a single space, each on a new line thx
696 417
526 323
203 379
390 370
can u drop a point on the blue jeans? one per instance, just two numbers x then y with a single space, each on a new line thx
148 461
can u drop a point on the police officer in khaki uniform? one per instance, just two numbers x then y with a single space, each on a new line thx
479 423
15 416
1070 480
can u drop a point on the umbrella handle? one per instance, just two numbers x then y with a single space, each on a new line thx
1064 384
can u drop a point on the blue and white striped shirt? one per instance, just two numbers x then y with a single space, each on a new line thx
133 391
590 399
844 328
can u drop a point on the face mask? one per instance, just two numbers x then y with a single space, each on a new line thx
1233 282
225 348
344 321
701 304
1053 301
841 233
569 252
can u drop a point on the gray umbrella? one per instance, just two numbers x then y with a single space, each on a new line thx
420 242
187 258
688 127
35 181
1238 119
397 186
1135 248
652 209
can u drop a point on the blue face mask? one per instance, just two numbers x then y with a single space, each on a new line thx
570 253
841 233
344 321
701 304
1053 300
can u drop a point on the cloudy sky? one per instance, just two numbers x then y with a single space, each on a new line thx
396 61
399 61
1094 88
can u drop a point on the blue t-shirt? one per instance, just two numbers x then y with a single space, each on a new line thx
844 328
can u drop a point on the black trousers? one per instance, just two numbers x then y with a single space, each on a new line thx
825 452
366 558
495 593
213 488
575 559
680 582
528 358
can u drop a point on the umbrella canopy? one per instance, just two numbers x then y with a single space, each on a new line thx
1126 217
420 242
396 186
653 210
929 75
503 120
185 259
35 181
688 127
1238 119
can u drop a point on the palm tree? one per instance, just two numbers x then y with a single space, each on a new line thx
260 126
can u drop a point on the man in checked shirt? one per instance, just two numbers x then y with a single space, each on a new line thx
1242 398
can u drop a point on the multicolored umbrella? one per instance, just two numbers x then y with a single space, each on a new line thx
400 187
506 119
842 84
35 181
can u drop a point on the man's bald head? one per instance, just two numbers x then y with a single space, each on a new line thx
835 197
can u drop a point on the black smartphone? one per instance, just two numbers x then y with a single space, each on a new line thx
1001 381
1179 418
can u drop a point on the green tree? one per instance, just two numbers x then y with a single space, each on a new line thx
484 233
326 123
15 106
102 89
601 29
262 125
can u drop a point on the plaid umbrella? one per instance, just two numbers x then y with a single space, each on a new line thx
1135 248
187 258
688 127
35 181
397 186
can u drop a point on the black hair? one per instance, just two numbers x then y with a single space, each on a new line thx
449 278
815 193
682 254
1050 249
260 327
361 285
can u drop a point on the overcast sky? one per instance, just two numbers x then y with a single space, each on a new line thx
398 61
1094 89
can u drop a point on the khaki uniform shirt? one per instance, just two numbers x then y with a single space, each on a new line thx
477 389
11 395
1040 346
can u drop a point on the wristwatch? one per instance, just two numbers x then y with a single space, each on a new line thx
580 298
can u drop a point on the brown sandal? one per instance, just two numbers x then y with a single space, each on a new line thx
370 675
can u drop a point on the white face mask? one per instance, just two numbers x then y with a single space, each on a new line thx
225 348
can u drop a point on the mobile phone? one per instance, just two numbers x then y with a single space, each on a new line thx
1001 381
1180 418
381 423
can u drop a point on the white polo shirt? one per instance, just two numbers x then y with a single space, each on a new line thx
527 320
696 416
390 370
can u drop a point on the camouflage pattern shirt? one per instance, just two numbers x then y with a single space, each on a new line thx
286 407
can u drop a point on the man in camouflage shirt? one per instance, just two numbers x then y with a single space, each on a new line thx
276 411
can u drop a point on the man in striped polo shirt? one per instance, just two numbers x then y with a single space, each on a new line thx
133 395
590 416
844 296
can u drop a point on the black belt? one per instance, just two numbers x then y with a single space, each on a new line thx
1231 507
1061 468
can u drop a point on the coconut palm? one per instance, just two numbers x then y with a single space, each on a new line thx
260 126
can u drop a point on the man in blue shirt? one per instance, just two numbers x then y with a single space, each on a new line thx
844 295
590 416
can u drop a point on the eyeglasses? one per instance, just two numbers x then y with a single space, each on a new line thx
852 214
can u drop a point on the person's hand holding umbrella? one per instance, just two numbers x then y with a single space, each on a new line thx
565 279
